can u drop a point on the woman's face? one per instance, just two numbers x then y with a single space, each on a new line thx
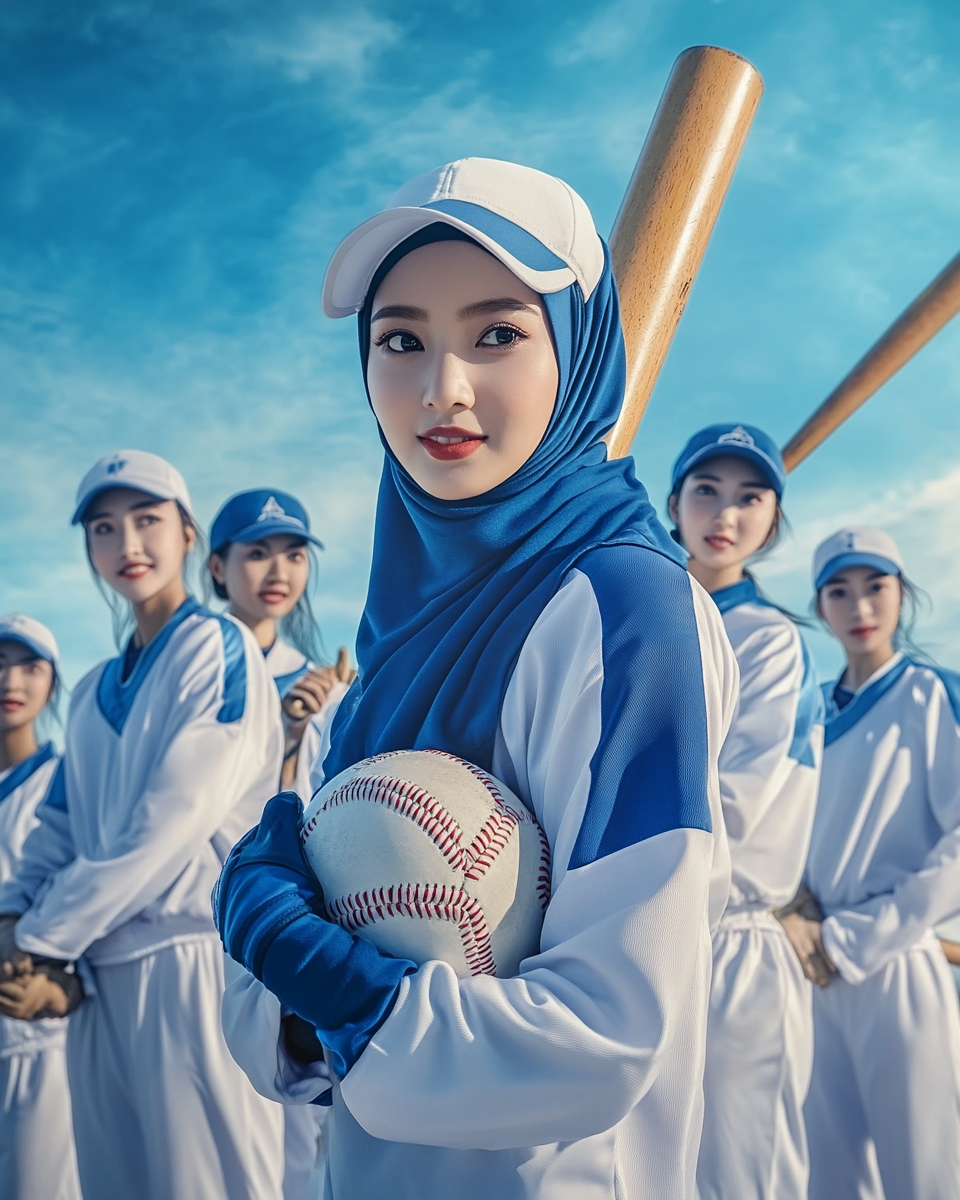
137 542
725 511
862 608
462 371
264 579
26 682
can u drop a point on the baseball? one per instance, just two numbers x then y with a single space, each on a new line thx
430 858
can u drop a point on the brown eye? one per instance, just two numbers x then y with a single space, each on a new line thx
501 335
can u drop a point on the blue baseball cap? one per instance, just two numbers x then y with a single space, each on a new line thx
741 441
251 516
855 546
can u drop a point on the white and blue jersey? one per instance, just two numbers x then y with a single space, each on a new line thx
288 666
760 1030
164 769
581 1078
21 790
884 860
883 1112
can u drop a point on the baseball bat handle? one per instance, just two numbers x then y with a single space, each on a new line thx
668 213
295 708
924 318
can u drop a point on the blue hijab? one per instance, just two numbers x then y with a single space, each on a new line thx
457 585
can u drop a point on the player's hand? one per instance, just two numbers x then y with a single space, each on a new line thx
806 937
48 992
13 961
804 903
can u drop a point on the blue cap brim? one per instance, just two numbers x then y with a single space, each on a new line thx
735 450
30 644
854 559
265 529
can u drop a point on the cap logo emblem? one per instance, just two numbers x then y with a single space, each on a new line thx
738 435
271 510
851 538
116 465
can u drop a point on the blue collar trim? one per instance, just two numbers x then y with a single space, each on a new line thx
285 682
840 720
22 771
744 592
115 696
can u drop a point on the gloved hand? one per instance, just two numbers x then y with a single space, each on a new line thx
265 906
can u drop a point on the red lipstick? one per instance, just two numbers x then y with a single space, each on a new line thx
450 442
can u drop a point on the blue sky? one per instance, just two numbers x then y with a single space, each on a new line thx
177 174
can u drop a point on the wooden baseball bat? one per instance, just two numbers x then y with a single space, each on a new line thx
952 951
926 316
671 205
295 708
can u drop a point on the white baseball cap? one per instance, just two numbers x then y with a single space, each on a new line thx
855 546
534 223
132 469
18 627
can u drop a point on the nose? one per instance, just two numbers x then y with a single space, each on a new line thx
132 541
447 387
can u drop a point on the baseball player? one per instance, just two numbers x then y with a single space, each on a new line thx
527 612
260 563
36 1135
883 1111
170 750
725 500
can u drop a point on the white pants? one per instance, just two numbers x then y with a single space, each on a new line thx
759 1053
160 1109
302 1129
883 1113
37 1161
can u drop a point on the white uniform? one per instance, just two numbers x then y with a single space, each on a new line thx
162 773
760 1031
302 1123
287 665
883 1113
581 1078
36 1135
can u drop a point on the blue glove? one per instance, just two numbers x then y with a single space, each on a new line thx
265 907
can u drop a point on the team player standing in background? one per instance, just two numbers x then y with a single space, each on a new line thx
36 1131
170 751
725 499
883 1112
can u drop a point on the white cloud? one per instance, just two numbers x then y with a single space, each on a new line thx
344 44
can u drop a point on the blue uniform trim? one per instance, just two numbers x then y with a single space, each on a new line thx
22 771
285 682
951 684
514 239
56 796
649 771
810 705
840 721
116 696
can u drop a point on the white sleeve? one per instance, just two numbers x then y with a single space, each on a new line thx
863 938
46 849
193 787
754 762
626 684
251 1026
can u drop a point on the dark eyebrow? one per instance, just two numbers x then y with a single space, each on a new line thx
484 308
405 312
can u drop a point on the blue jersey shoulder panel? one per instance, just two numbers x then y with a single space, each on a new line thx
649 770
234 670
840 720
22 771
810 712
115 696
951 684
285 682
56 795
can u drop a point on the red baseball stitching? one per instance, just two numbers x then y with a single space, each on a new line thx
412 801
431 901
